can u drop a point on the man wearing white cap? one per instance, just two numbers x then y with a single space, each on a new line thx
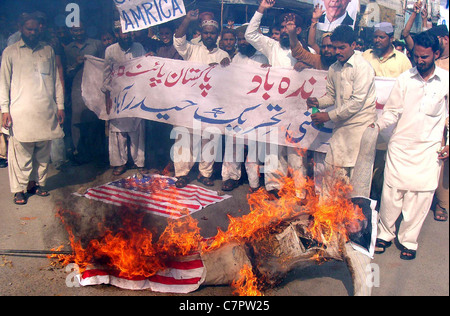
387 62
384 58
207 53
123 128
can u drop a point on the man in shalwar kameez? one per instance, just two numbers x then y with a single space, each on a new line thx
32 103
207 53
287 160
234 151
351 90
418 107
123 128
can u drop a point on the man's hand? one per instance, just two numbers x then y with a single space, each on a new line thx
373 125
444 153
317 13
192 15
61 116
290 24
299 66
312 103
6 121
417 7
81 59
424 13
265 4
225 62
320 118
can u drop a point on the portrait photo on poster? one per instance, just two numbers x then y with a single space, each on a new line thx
336 12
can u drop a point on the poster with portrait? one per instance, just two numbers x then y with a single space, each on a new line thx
337 12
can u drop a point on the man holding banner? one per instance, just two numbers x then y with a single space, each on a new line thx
123 128
234 154
288 159
207 53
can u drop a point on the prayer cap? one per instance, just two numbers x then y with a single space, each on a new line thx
385 27
210 23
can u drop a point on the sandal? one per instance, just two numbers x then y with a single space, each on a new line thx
20 198
408 254
381 246
142 170
182 182
253 190
206 181
274 195
440 214
39 191
230 185
119 170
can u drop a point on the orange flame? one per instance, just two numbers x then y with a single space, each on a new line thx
247 284
132 251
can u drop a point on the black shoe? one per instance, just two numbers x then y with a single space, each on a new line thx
3 163
274 194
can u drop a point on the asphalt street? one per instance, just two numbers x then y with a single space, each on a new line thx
35 227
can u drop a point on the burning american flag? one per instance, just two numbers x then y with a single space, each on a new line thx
155 194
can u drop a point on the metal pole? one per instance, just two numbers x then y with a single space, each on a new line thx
33 252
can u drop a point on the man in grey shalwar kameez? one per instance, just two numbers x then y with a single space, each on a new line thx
32 103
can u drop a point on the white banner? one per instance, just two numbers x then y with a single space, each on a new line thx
261 104
141 14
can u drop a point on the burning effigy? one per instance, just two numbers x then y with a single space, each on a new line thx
254 254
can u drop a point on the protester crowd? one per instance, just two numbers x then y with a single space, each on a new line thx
46 121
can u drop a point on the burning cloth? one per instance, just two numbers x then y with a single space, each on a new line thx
182 276
155 194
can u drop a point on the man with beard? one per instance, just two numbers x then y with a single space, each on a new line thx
418 108
441 32
247 54
231 167
384 58
207 53
277 52
122 129
321 61
387 62
32 103
288 159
